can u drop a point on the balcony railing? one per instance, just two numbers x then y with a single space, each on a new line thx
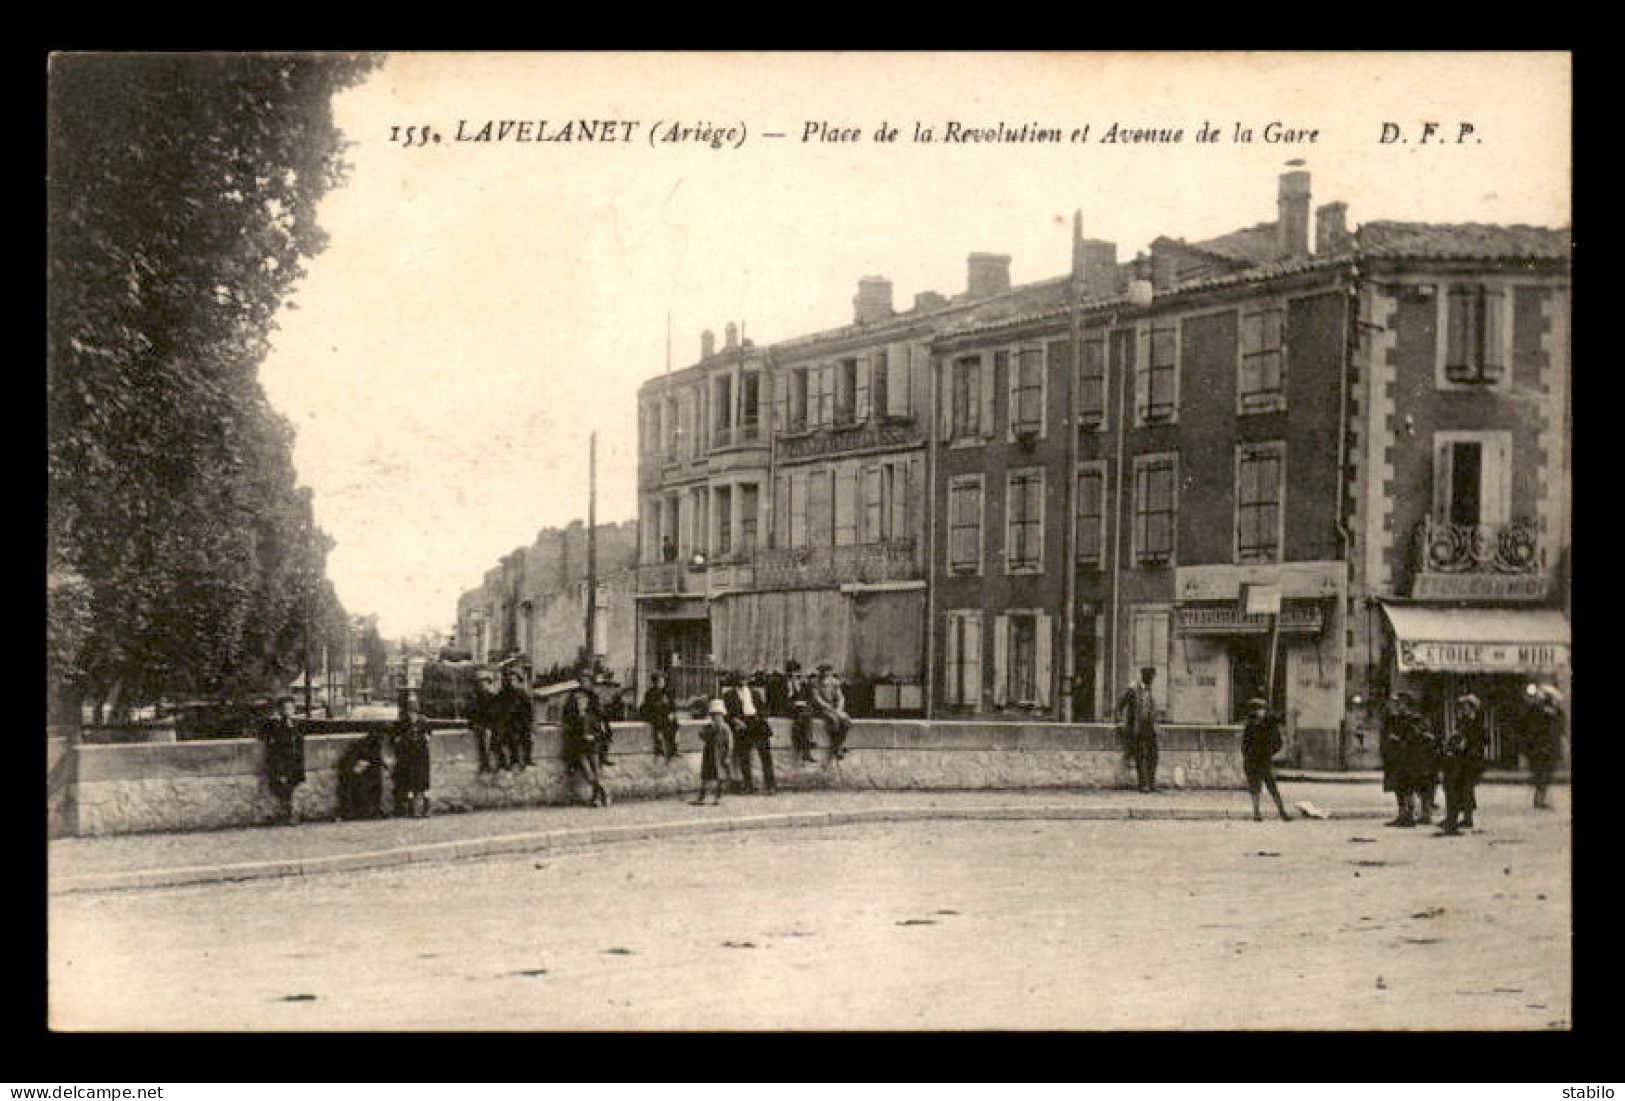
1512 548
785 568
734 435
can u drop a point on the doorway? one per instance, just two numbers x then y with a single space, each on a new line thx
1249 655
1085 652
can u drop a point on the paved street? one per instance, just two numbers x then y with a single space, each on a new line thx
937 924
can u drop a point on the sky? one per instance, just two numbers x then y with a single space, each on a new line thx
482 307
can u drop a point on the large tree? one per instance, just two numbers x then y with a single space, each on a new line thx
182 192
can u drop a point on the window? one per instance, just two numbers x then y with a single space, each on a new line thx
1476 334
820 508
965 524
1021 659
967 398
1091 499
1157 378
723 406
723 502
1472 478
798 509
823 380
879 385
1155 501
800 397
1258 502
1148 647
846 506
1263 336
750 405
1027 391
851 392
749 508
1024 532
874 509
962 660
1091 388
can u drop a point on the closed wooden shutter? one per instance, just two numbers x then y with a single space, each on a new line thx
1441 481
1459 329
1496 491
989 381
1001 659
1041 660
846 506
953 675
899 372
1495 328
971 660
860 400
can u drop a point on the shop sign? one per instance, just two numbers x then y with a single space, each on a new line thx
1482 657
1479 586
1232 620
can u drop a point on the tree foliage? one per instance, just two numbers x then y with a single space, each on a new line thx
182 193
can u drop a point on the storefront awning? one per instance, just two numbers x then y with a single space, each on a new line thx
1479 640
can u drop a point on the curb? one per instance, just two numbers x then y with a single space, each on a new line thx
570 839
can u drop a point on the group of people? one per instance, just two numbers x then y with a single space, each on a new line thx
1418 760
737 733
383 773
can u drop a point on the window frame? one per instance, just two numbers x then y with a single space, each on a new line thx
1275 450
1260 399
1018 357
1144 464
1095 468
1092 418
1035 478
1446 293
957 483
1146 370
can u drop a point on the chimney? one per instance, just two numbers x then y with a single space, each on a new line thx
708 344
1331 229
986 274
730 335
929 300
1164 269
1292 220
873 301
1099 260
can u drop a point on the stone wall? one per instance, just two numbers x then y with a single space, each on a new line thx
110 789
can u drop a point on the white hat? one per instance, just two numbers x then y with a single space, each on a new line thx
717 708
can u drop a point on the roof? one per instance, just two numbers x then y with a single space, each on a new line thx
1254 245
1469 240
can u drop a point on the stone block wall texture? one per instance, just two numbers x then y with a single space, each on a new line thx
218 784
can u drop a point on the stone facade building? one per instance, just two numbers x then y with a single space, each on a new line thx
533 604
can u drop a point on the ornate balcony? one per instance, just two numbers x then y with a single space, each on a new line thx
1484 561
863 563
857 436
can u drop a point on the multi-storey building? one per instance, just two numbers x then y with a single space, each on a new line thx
1347 457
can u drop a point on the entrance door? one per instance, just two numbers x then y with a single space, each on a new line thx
683 652
1249 655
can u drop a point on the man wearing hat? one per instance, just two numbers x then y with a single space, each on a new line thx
1408 762
284 738
798 690
482 720
1543 741
1137 714
747 708
1461 760
411 741
1260 742
829 704
511 715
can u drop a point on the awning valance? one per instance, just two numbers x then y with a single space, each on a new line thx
1479 640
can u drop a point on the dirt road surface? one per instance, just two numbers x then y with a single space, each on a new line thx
937 925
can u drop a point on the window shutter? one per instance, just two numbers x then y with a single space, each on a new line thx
1001 659
950 658
989 371
781 402
1142 372
1441 482
1495 328
1041 660
899 374
1013 370
972 660
1458 328
1495 491
846 506
945 400
1039 500
860 400
1041 358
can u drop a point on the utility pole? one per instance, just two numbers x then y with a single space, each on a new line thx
592 547
1069 647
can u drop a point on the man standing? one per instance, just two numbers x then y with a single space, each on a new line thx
1260 742
1461 759
481 722
1543 742
659 710
1137 712
746 712
829 705
512 720
1408 762
284 738
411 742
582 726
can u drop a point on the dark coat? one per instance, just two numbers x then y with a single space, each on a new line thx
362 772
1466 746
284 750
1409 753
659 706
583 725
756 725
1543 737
1138 712
1261 739
482 713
